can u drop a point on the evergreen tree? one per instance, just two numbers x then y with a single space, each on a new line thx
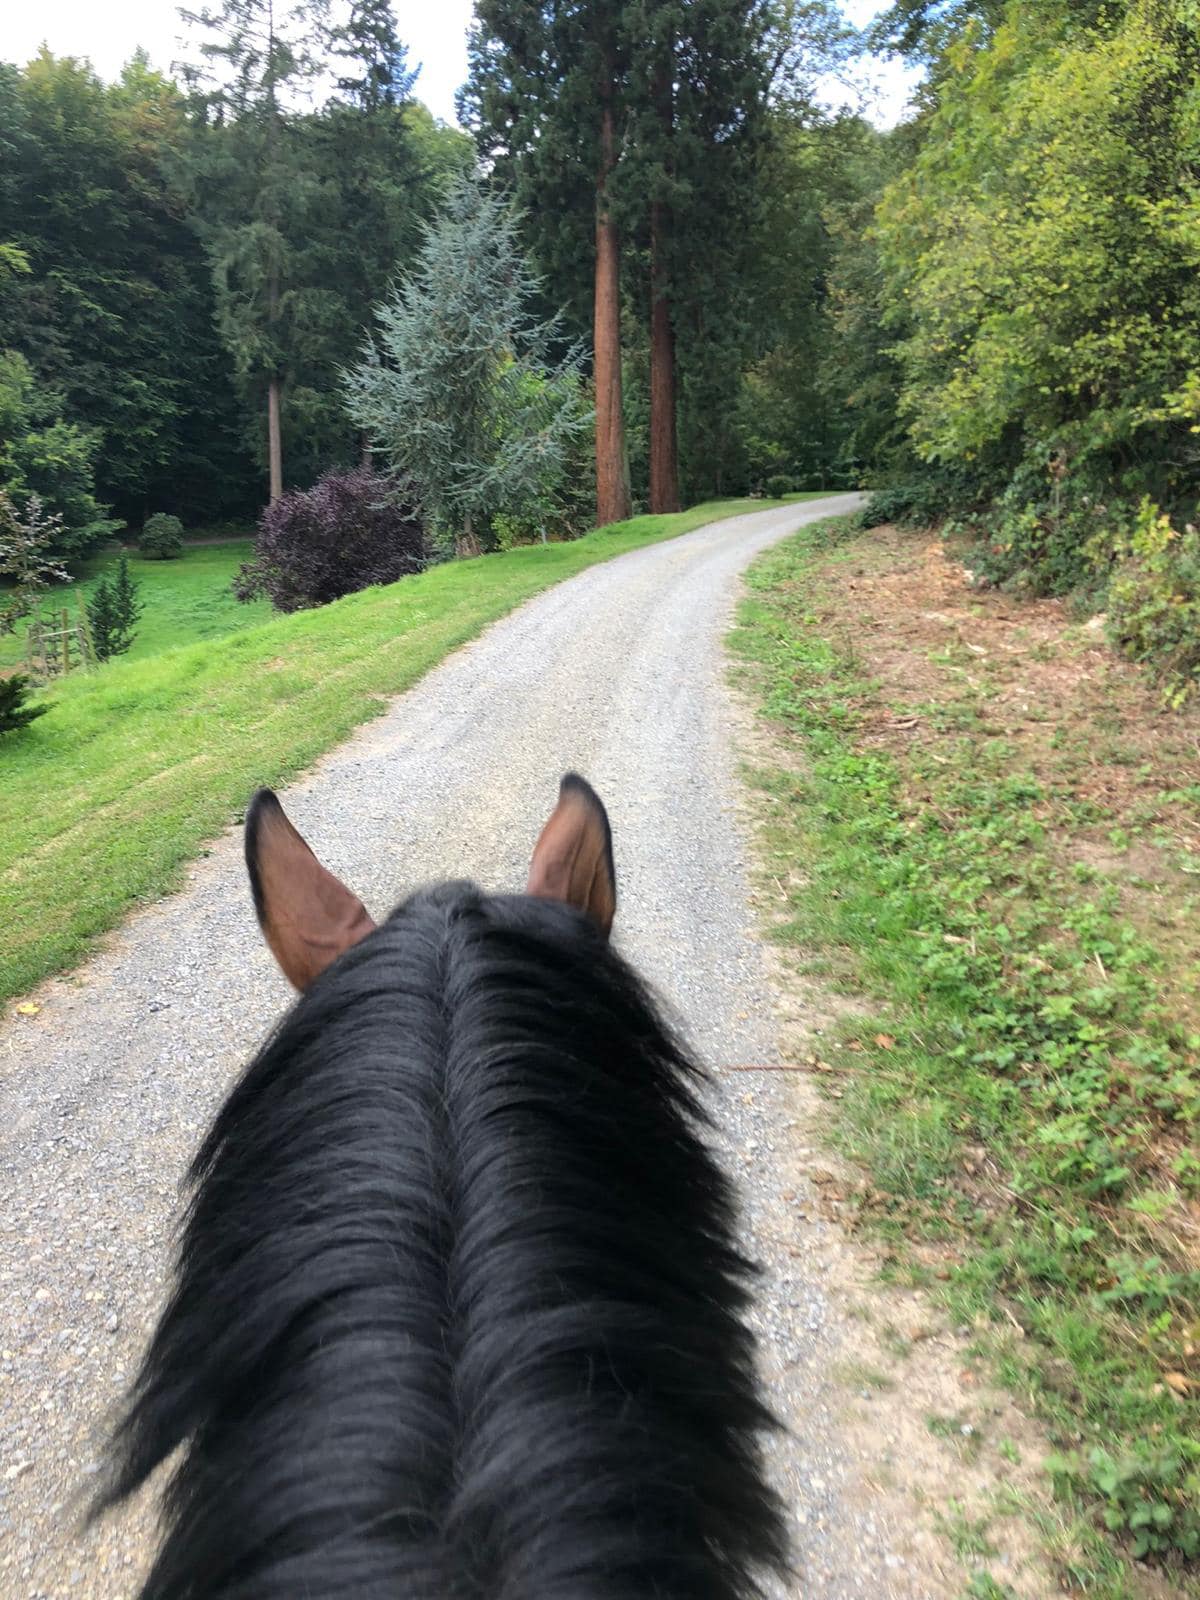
372 187
457 395
632 132
114 316
113 609
376 72
699 72
546 99
14 713
249 187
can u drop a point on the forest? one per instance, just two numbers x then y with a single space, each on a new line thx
987 314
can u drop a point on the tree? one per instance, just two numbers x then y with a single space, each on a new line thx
113 610
375 167
14 713
248 185
457 392
46 459
545 99
698 78
1039 267
114 316
26 562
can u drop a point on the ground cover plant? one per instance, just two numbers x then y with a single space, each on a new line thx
987 824
142 760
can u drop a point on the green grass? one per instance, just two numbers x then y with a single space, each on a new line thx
1015 1011
138 763
185 600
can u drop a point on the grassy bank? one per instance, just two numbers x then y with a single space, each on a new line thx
185 600
139 762
987 827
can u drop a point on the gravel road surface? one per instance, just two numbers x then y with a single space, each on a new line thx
618 673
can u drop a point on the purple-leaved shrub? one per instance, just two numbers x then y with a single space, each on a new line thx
350 530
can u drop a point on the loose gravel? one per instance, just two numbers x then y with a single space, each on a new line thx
103 1097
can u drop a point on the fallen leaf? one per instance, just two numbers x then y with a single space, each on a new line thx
885 1041
28 1008
1178 1382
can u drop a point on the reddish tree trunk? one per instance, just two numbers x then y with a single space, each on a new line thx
612 484
664 459
274 445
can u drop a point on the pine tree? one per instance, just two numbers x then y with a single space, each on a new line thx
14 713
546 100
643 120
457 393
248 185
113 609
377 72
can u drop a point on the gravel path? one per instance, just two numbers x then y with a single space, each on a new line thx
618 673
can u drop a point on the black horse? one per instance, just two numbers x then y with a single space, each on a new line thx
458 1312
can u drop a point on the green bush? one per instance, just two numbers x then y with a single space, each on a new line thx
912 505
162 537
1154 601
14 713
779 484
1149 1493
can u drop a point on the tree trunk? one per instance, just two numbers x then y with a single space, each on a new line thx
274 446
612 483
664 453
466 543
664 457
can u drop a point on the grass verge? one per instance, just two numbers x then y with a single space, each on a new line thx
985 827
142 760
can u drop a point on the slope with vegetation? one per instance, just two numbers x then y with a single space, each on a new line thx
982 821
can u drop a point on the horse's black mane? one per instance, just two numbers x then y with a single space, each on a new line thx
458 1313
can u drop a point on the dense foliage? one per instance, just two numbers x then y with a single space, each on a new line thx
161 538
15 711
140 224
350 530
1035 265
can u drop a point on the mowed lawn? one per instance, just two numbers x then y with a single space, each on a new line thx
142 760
186 599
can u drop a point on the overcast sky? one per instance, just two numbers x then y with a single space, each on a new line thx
108 31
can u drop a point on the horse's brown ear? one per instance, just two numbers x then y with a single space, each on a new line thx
307 916
573 858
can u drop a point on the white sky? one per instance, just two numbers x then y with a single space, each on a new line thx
108 31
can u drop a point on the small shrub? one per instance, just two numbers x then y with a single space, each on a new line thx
113 608
26 538
14 713
162 537
909 504
1154 601
350 530
1149 1493
779 484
